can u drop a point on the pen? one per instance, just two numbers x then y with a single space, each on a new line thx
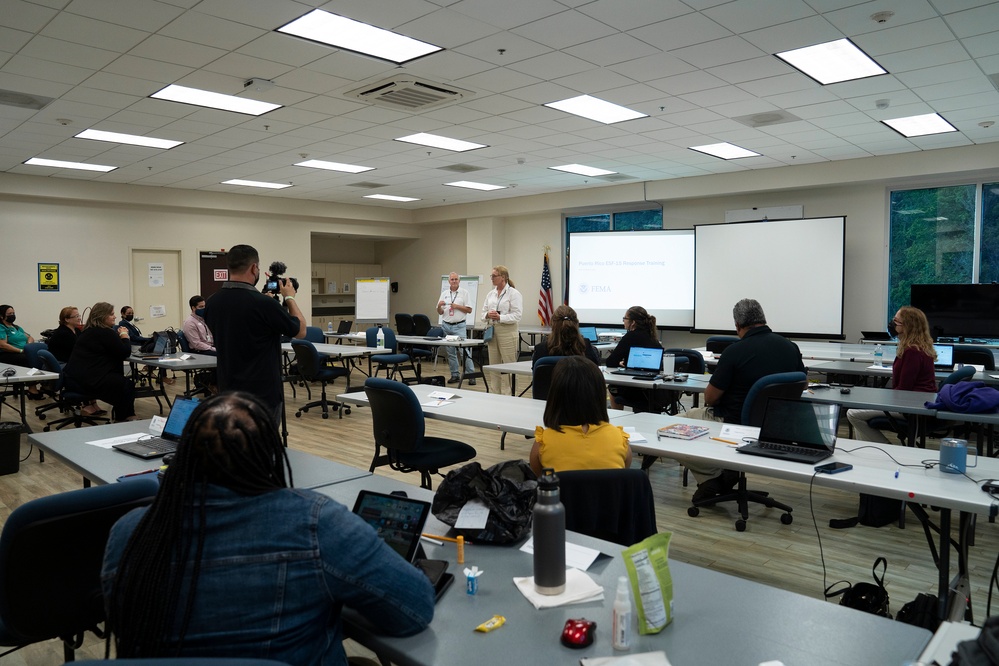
726 441
443 538
146 471
896 471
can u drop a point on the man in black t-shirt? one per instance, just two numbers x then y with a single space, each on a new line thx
759 352
247 327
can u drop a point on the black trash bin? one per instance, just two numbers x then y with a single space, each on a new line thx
10 447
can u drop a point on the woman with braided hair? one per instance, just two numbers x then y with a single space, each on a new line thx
230 560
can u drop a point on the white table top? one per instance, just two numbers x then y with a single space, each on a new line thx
412 340
693 384
176 362
21 375
340 351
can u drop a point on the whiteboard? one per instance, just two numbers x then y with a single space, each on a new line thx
471 284
372 298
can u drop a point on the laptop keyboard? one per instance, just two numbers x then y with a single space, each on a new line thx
159 444
786 448
637 373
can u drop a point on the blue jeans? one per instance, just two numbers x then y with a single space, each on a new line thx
452 352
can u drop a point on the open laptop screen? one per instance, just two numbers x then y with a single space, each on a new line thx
589 332
945 357
180 413
398 520
809 424
645 358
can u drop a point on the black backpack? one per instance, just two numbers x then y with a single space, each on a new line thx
866 597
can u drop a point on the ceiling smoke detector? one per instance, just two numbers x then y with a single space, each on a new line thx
882 17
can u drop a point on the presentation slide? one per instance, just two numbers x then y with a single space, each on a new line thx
611 271
794 268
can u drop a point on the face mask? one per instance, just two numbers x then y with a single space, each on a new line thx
892 330
129 317
11 319
200 312
256 279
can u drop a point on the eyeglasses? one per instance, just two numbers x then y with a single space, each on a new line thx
494 275
625 318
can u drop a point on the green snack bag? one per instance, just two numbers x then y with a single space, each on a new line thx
647 563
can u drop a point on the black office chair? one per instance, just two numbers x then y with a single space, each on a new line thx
51 551
393 363
312 368
65 400
612 504
399 428
404 324
780 385
716 344
421 324
975 354
541 379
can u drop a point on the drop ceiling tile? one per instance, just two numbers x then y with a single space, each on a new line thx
78 55
635 94
749 70
263 14
922 58
447 28
514 48
595 81
746 15
977 21
45 70
551 65
743 108
895 99
543 93
682 31
448 66
89 32
564 29
210 30
508 14
718 52
989 99
284 49
498 80
874 85
793 35
940 74
717 96
612 50
950 89
146 15
904 37
245 67
805 97
156 72
687 83
306 80
496 104
777 85
631 14
494 124
352 66
982 45
856 20
27 16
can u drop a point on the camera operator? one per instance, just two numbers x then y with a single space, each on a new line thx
247 326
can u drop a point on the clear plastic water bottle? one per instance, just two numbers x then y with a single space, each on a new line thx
879 356
380 339
329 327
549 536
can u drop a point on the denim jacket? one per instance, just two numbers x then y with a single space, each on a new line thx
276 570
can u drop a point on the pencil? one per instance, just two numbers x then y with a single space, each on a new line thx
726 441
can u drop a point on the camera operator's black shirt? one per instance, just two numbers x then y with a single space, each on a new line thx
247 327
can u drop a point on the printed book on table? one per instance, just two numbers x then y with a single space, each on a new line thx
683 431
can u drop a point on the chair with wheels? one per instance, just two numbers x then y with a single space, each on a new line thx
421 324
393 363
612 504
404 324
314 334
780 385
399 428
65 400
51 551
716 344
975 354
312 368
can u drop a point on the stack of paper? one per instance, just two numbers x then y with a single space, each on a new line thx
579 588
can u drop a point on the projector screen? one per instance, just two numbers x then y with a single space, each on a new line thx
794 268
611 271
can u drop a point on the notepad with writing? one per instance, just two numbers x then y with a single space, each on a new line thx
683 431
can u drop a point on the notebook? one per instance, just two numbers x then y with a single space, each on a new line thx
643 362
155 447
796 430
945 357
399 522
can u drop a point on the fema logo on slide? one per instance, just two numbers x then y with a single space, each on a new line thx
583 288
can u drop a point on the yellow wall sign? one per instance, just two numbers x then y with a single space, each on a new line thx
48 277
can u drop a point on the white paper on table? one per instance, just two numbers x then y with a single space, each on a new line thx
440 395
878 367
579 588
634 437
576 556
120 439
641 659
167 359
473 515
437 403
736 433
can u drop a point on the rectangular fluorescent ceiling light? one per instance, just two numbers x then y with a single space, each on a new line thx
334 166
583 170
726 151
130 139
596 109
213 100
832 62
344 33
389 197
435 141
59 164
256 183
476 186
929 123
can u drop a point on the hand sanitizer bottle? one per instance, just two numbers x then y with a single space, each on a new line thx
621 618
381 339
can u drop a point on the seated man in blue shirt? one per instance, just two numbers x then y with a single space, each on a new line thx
229 561
759 352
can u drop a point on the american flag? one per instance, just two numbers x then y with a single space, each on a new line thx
545 306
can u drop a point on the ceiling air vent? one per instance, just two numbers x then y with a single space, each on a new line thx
406 92
23 100
461 168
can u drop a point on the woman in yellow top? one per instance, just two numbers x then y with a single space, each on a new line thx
576 434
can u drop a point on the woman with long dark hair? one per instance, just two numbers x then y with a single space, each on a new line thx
640 331
577 434
229 560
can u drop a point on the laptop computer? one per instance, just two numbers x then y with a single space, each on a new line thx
884 336
344 326
589 332
156 447
399 522
796 430
643 363
945 357
160 348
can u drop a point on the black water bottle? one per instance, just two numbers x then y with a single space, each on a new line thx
549 536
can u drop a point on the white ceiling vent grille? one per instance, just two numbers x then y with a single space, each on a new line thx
408 92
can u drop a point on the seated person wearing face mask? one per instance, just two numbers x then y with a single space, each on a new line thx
199 338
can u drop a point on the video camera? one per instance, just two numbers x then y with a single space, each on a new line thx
273 284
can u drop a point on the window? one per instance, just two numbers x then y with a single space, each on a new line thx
631 220
932 239
990 233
